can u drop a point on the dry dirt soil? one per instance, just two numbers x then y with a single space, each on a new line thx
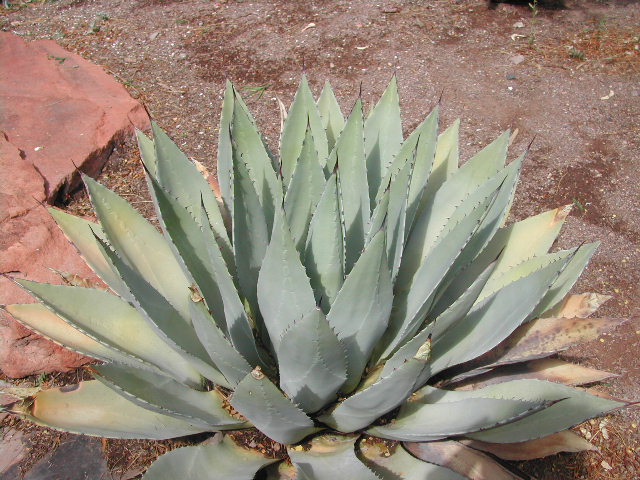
568 77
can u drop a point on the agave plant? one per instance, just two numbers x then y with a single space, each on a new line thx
358 300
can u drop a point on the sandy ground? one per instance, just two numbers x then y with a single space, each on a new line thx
570 78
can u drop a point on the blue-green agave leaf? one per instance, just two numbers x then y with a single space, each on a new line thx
387 393
189 241
223 460
413 298
225 152
91 408
396 219
164 395
378 217
303 113
360 313
260 401
180 178
248 148
566 279
492 320
570 406
353 192
147 152
41 320
165 320
238 327
284 290
312 362
445 162
250 233
324 252
226 358
512 245
382 137
140 245
328 456
304 192
82 233
331 115
114 323
441 324
426 422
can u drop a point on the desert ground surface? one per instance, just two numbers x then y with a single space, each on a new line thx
570 78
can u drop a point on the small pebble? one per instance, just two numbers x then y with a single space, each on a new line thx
517 59
518 25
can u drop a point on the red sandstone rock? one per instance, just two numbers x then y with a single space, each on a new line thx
61 110
56 115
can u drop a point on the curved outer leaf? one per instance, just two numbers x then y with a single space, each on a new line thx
284 291
490 322
365 406
332 118
551 369
164 395
140 246
249 149
225 154
226 359
512 245
82 233
38 318
250 233
462 459
382 137
360 313
420 421
566 441
394 463
165 320
260 401
112 322
575 407
313 364
93 409
566 279
303 113
304 192
180 178
330 455
353 192
324 253
224 460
